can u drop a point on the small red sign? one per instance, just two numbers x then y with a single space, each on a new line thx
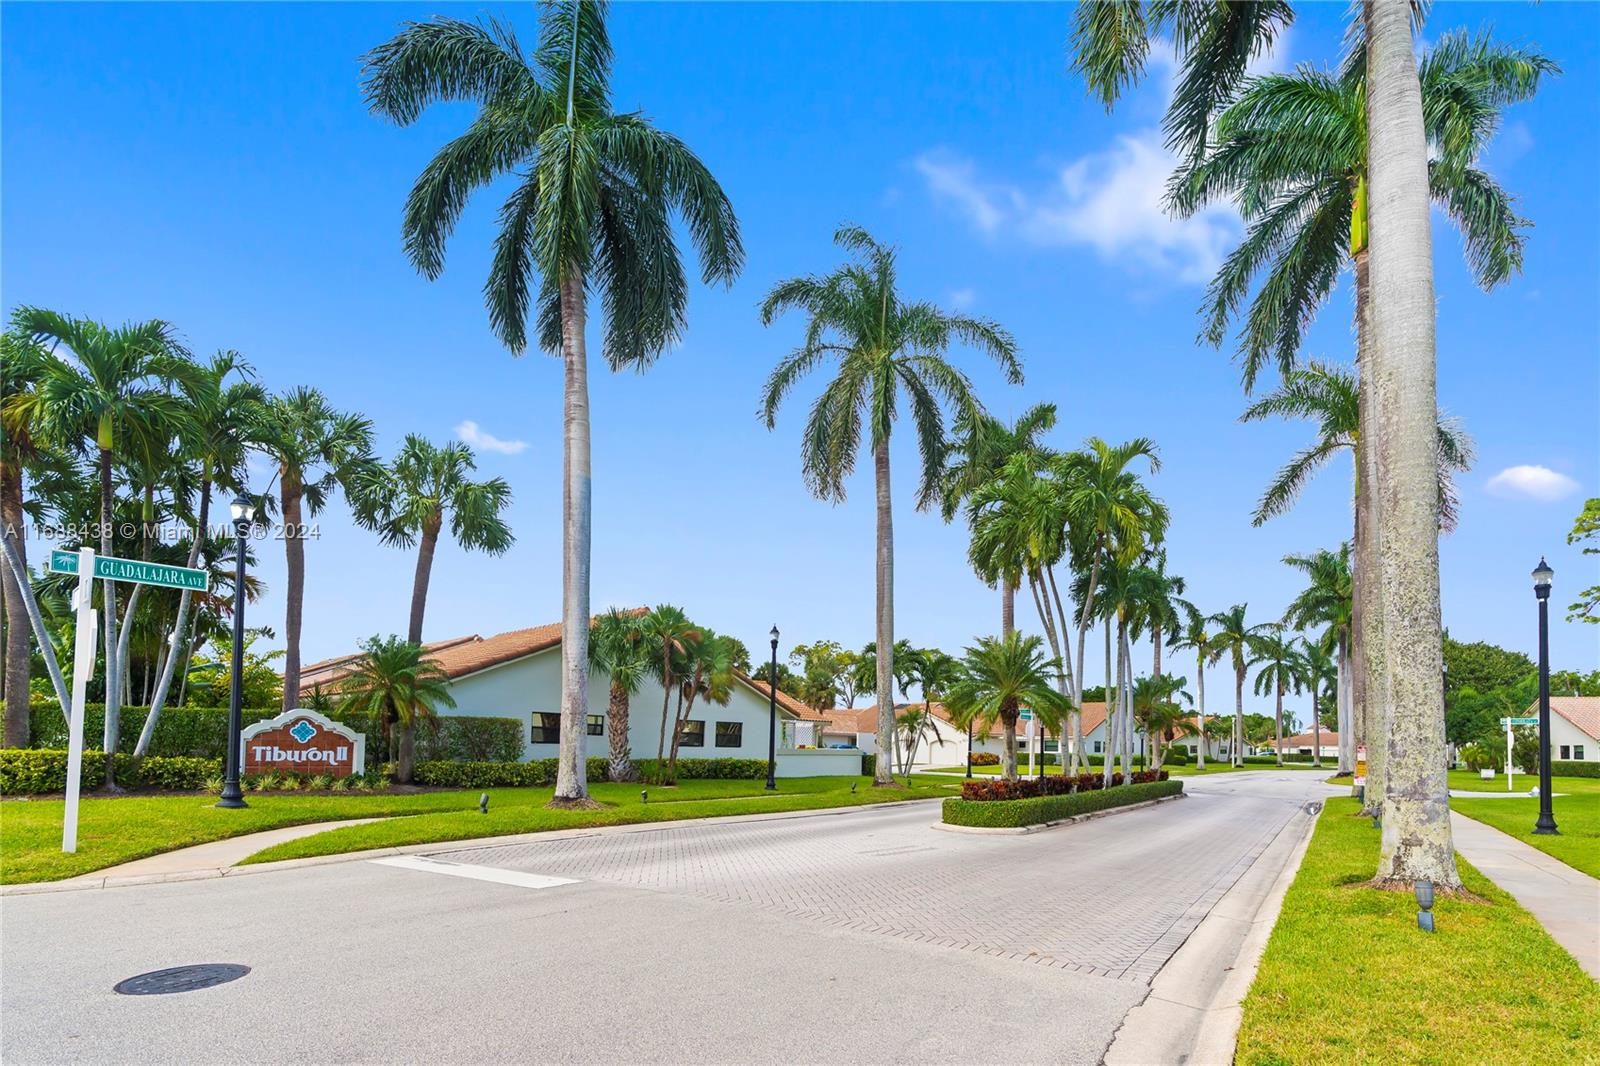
303 742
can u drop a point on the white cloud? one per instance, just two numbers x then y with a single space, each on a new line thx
1533 483
469 432
955 179
963 298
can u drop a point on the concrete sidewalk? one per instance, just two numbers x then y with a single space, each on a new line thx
1566 901
213 857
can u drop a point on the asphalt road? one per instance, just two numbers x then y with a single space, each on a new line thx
864 936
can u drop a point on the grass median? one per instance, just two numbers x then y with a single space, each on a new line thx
121 829
1348 977
1576 809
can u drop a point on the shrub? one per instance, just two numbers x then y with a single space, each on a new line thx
1483 757
30 771
537 773
465 738
980 791
1049 808
869 764
201 732
1175 757
1574 768
985 758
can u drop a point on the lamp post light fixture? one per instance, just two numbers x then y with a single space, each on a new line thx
772 716
1424 893
1542 576
243 510
969 749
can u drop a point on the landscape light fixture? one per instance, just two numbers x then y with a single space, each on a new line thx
243 509
1424 892
483 803
644 795
772 716
1542 576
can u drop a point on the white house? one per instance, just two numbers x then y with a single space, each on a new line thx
1574 727
517 675
1306 743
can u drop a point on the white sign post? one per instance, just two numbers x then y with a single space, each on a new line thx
1508 723
83 652
1027 716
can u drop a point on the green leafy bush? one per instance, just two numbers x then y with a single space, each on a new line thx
537 773
1175 757
1574 768
999 789
869 764
1012 814
985 758
30 771
1483 757
466 738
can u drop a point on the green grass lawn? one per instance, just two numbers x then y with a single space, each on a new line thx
113 831
1577 816
1489 986
1212 767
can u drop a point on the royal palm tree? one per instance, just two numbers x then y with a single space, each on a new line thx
1237 639
885 347
1195 635
1162 594
408 500
592 205
1278 660
1000 677
132 384
394 683
1318 674
317 450
980 447
618 647
1328 601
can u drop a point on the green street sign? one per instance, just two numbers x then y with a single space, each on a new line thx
1519 721
1025 715
110 568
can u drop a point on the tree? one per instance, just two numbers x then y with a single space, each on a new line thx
1236 638
1279 665
1329 600
828 673
408 500
934 672
998 678
708 674
884 347
394 683
670 636
1317 672
318 451
1195 636
1586 607
617 646
1158 712
592 205
123 382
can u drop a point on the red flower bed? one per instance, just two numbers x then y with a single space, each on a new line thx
1058 785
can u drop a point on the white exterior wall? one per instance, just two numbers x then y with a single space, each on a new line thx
1564 733
522 687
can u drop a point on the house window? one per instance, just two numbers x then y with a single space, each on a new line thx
546 728
730 734
1577 751
1099 747
1566 752
597 725
692 735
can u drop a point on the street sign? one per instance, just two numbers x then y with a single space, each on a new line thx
1025 715
110 568
1519 721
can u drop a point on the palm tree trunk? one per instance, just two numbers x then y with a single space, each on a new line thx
158 699
294 554
1277 724
1316 729
572 788
419 603
406 759
19 655
621 768
1417 841
1237 743
1085 620
1008 758
1008 607
1108 762
108 618
883 774
1073 688
1344 702
1155 642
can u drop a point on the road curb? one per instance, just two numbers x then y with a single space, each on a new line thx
89 882
1195 1006
1058 823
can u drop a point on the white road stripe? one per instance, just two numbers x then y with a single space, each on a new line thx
476 873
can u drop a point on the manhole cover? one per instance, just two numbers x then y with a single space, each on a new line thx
181 979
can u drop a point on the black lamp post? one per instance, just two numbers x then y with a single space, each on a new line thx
772 716
1542 575
969 749
243 509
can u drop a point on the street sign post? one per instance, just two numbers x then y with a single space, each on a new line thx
1508 723
110 568
91 568
1027 716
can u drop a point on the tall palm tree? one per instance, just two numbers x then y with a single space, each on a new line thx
884 347
979 448
1195 635
707 673
394 683
1318 673
998 678
318 450
1157 710
1328 600
1162 594
933 671
1278 659
408 500
215 440
618 647
669 635
129 382
592 205
1237 639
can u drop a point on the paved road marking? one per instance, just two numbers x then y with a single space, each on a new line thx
476 873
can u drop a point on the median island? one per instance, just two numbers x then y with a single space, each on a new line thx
1040 801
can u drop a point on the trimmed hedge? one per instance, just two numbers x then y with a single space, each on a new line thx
538 773
1573 768
989 791
1175 757
869 764
468 738
985 758
1015 814
30 771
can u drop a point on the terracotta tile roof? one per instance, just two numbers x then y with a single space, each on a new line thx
1330 739
786 701
1093 714
1581 711
853 720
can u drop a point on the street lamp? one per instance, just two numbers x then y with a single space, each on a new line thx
1542 575
969 747
772 716
243 509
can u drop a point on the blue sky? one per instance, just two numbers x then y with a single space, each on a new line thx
214 165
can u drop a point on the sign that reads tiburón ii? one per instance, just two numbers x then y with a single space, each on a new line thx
302 742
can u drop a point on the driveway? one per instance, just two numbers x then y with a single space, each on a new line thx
864 935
